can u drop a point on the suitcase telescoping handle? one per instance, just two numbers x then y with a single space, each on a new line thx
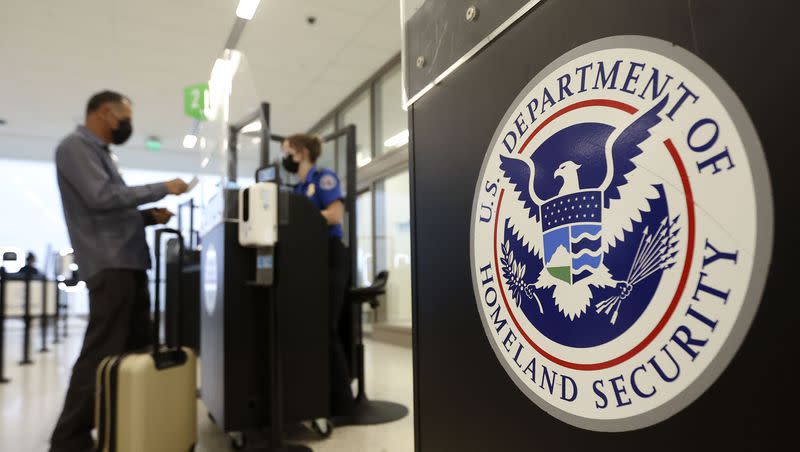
169 356
194 235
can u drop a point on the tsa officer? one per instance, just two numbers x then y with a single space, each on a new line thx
322 187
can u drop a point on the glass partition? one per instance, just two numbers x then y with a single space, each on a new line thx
391 121
393 244
327 158
358 113
364 233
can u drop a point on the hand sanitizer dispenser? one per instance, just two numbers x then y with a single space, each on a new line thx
258 215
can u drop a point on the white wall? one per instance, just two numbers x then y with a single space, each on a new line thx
31 207
31 204
32 216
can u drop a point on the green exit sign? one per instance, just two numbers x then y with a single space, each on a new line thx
153 144
195 99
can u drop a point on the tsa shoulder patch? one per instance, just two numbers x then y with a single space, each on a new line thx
620 233
328 181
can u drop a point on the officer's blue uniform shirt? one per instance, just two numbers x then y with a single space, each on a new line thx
322 187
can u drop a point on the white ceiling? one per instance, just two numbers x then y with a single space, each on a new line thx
56 53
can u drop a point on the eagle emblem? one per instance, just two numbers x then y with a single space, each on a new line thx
621 230
595 233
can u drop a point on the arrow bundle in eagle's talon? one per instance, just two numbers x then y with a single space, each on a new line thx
606 305
656 252
660 255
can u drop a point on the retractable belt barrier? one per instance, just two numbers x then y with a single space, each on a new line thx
43 318
27 315
3 379
26 318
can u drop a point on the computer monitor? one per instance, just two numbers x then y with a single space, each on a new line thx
267 174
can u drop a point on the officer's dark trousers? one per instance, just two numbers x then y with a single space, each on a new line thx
119 321
339 276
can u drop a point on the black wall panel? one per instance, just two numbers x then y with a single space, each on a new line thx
464 399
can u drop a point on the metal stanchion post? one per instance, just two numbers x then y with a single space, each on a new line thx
56 337
43 319
64 315
275 440
26 339
3 378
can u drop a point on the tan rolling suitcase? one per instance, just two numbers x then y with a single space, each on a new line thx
147 401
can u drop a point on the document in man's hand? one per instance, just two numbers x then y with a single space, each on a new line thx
193 183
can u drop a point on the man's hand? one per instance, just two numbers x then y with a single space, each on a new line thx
176 186
160 216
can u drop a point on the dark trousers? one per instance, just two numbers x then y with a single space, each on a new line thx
119 321
342 402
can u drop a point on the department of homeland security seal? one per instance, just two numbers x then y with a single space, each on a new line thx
621 233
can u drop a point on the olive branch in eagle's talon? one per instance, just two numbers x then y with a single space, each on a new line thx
514 274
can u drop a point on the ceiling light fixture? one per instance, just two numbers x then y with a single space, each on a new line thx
247 8
189 141
220 74
398 140
234 58
220 85
254 126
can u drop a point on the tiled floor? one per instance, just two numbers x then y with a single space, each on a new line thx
30 404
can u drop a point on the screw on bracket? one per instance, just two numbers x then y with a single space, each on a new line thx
420 62
472 13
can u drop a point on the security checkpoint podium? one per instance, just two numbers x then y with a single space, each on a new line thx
264 307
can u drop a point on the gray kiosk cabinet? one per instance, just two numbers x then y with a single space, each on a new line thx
234 317
601 199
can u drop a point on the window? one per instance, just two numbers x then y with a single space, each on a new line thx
393 244
32 213
327 158
391 122
42 228
358 113
364 256
383 209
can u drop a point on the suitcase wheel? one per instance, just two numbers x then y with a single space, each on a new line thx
238 440
322 427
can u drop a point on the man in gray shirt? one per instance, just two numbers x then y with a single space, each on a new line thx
107 233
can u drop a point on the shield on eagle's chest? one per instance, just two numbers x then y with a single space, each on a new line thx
571 226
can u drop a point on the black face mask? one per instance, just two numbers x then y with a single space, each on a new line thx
290 165
122 132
